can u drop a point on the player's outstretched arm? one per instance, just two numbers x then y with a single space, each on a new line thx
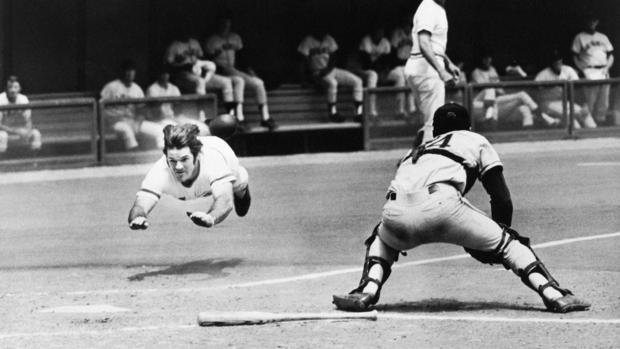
221 208
141 207
501 204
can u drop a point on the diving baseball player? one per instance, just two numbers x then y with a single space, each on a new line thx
425 204
429 69
194 167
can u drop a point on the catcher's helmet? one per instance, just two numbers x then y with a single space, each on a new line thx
450 117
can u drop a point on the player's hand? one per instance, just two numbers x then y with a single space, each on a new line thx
202 219
139 223
447 78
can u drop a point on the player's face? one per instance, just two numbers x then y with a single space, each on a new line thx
12 89
182 164
556 66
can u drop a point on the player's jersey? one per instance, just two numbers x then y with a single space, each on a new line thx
116 89
555 92
318 52
456 158
224 49
483 76
218 163
156 90
14 118
375 50
401 42
430 17
592 49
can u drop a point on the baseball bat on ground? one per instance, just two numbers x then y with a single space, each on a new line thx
234 318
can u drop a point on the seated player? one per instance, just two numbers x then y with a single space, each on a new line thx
425 204
493 106
126 120
17 122
224 46
318 51
194 167
551 97
164 113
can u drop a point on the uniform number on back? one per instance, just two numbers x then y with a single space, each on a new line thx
440 142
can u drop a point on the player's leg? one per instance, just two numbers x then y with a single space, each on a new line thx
125 131
35 140
331 86
377 269
345 77
241 193
258 85
4 141
490 243
153 131
371 78
238 85
224 84
396 76
601 104
585 117
432 94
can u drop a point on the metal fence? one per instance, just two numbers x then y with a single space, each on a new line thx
560 107
80 129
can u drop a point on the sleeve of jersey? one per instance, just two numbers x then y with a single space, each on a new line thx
426 21
218 169
154 182
488 157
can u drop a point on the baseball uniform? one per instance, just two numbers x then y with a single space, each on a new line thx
426 83
17 119
218 164
592 50
551 97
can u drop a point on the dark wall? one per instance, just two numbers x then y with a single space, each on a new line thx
75 45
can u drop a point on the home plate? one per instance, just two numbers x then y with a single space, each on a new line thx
85 309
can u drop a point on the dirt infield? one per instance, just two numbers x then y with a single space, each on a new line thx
65 243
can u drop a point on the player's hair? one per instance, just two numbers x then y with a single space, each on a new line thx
12 79
181 136
450 117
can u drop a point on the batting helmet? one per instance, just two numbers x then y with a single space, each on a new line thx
450 117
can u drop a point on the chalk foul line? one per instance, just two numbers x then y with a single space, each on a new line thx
313 276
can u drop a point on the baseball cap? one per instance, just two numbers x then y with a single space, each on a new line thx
450 117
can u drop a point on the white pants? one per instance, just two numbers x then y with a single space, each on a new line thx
416 218
33 140
429 92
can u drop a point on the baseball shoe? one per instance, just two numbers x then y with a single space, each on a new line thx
242 204
270 124
335 117
567 303
356 301
242 126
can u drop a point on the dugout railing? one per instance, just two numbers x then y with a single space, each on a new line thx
197 107
389 131
68 129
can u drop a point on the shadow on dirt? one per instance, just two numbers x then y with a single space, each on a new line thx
434 305
212 267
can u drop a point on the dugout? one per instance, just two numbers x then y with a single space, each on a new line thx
76 45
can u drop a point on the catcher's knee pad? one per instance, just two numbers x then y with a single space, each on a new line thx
498 255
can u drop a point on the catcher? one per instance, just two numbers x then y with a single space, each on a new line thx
425 204
194 167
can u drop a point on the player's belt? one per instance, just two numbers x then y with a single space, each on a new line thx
419 54
430 189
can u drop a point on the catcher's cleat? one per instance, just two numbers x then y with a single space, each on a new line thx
566 304
242 204
357 300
